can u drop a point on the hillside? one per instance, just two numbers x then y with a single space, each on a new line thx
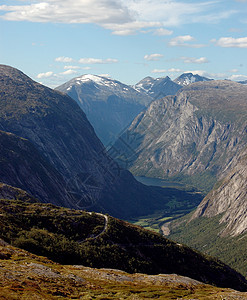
35 277
219 224
59 130
192 137
83 238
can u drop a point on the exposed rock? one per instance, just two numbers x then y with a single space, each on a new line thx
193 136
22 166
229 199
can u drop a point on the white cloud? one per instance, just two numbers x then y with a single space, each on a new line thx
159 71
193 60
238 77
207 74
233 71
105 75
129 15
97 61
184 41
174 70
154 56
64 59
230 42
130 28
69 72
71 67
162 31
45 75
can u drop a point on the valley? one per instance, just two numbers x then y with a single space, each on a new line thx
64 196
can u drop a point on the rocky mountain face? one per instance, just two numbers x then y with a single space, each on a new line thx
157 88
108 104
22 166
191 137
228 200
188 78
71 155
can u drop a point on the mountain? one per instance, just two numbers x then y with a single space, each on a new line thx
66 156
193 137
23 166
157 87
219 224
188 78
109 104
90 239
243 81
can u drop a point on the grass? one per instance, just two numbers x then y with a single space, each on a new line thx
154 222
35 277
203 234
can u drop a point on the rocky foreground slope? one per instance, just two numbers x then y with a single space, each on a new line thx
35 277
92 239
192 137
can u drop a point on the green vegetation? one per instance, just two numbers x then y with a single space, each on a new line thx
203 234
77 237
155 221
34 277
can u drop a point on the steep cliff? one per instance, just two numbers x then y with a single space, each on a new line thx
229 200
193 136
22 166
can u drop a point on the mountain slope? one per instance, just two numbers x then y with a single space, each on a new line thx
188 78
219 224
109 104
192 137
228 200
78 237
60 131
157 88
23 166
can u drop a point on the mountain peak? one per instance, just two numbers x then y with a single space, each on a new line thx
95 78
188 78
157 87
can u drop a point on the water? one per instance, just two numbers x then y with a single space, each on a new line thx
157 182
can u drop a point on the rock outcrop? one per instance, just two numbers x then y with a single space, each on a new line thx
229 200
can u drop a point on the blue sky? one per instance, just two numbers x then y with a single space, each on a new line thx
53 41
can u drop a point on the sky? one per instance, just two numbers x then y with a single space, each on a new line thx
53 41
